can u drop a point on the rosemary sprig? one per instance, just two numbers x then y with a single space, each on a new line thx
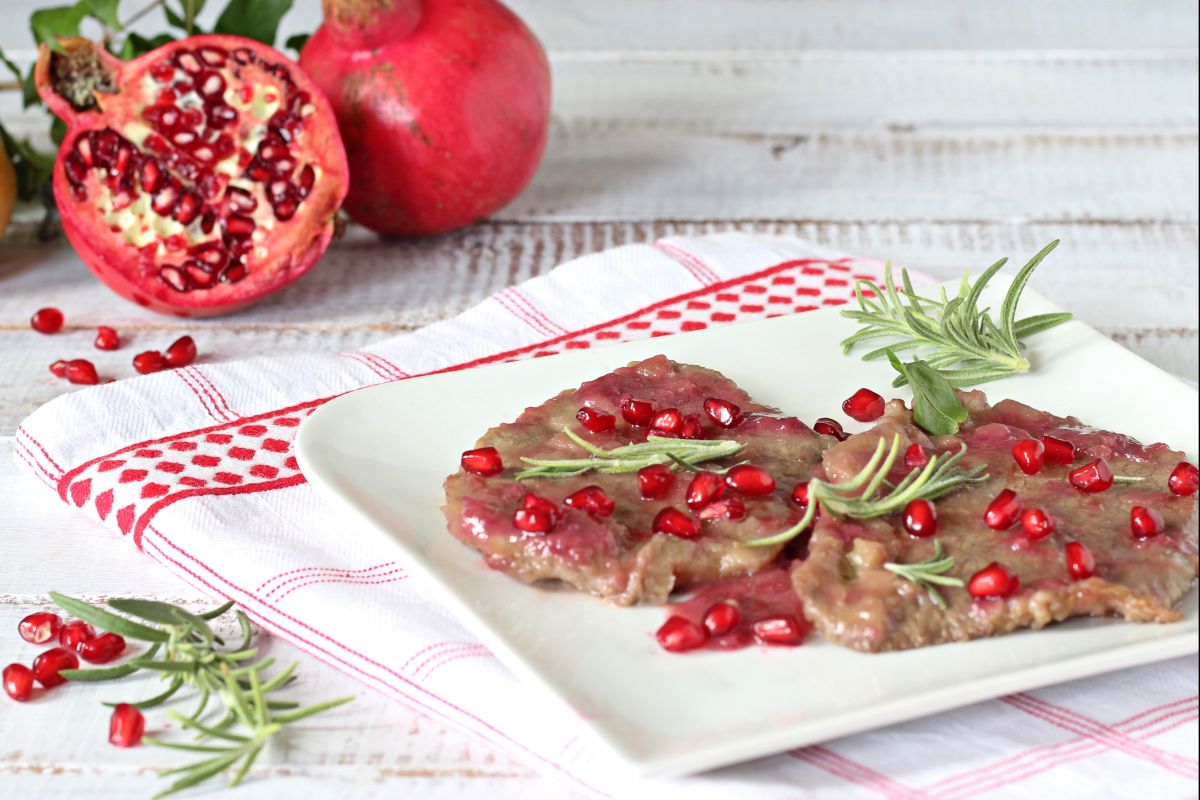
952 335
185 651
859 497
630 457
926 573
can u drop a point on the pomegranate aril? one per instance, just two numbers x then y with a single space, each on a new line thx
48 665
187 61
830 427
994 580
1058 451
1029 455
212 56
915 456
669 420
691 427
75 633
864 405
244 56
704 489
149 361
151 175
127 726
18 682
238 225
780 629
591 499
164 200
728 508
1037 523
532 520
39 628
920 518
535 502
75 168
234 274
82 371
1146 522
1081 564
674 522
59 368
1093 477
175 277
636 412
304 184
679 635
721 618
188 209
47 320
1184 480
655 481
483 461
723 412
162 71
107 338
101 649
750 480
240 199
595 420
285 210
1004 511
210 84
800 494
181 353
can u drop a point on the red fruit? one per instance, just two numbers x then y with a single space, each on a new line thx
149 361
82 371
691 427
1038 524
669 420
39 628
723 412
1092 478
593 500
18 682
800 494
484 461
127 726
48 665
47 320
107 338
249 228
1058 451
655 481
595 420
636 412
536 515
864 406
727 508
704 489
1029 455
75 633
535 502
994 580
1146 522
721 618
674 522
915 456
59 368
181 353
1184 480
445 107
1003 512
102 649
679 635
920 518
1081 564
830 427
750 480
781 629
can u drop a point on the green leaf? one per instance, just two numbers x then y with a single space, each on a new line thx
254 19
47 24
106 12
155 611
33 167
135 45
1008 309
109 621
297 42
936 406
99 673
12 67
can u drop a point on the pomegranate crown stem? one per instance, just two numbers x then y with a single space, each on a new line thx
630 457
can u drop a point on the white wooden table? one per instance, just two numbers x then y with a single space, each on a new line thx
940 135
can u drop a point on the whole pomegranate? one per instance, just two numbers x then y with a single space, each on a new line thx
444 106
198 178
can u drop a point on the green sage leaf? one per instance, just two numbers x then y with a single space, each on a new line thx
937 408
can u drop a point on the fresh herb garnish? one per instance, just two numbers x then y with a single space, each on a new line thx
185 651
630 457
936 406
952 335
926 573
859 496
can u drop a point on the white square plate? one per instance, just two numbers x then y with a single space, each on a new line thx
668 714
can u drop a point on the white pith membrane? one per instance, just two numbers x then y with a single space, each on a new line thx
202 169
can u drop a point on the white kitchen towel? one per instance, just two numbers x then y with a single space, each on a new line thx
195 468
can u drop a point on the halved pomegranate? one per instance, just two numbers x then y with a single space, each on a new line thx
198 178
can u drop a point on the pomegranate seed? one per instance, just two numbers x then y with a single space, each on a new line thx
1038 524
750 480
82 371
18 682
781 629
102 649
47 320
484 461
1093 478
593 500
181 353
830 427
723 412
729 508
75 633
669 420
721 618
596 421
1058 451
1029 455
1184 480
920 518
48 665
1003 512
655 481
915 456
535 519
59 368
39 628
1081 564
535 502
691 427
107 338
679 635
800 494
674 522
127 726
994 580
864 406
704 489
1146 522
636 412
149 361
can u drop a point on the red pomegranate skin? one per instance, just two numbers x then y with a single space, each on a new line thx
444 106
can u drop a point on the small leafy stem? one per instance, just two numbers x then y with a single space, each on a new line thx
859 498
185 651
685 453
924 574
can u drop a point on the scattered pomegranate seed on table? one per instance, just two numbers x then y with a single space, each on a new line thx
47 320
655 481
750 480
674 522
1058 451
721 618
830 427
127 726
915 456
679 635
1037 523
864 405
596 420
48 665
102 649
39 628
1029 455
149 361
181 352
1146 522
1081 564
920 518
593 500
107 338
18 682
1004 511
723 413
994 580
82 371
1184 480
704 489
669 420
75 633
636 412
484 461
1093 477
780 629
